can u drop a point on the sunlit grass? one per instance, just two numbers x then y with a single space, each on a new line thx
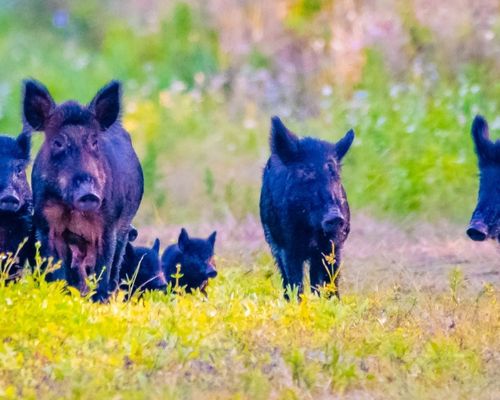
245 341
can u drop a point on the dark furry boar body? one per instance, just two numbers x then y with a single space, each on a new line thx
485 221
87 185
16 203
196 259
143 263
303 205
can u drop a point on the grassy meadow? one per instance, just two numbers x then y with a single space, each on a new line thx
419 314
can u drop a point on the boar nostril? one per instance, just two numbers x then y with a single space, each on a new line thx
333 223
477 231
9 203
88 202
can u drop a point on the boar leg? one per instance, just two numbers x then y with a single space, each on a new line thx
103 266
78 265
47 250
294 266
123 238
319 274
278 256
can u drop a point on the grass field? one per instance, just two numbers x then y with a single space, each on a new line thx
244 341
419 316
410 324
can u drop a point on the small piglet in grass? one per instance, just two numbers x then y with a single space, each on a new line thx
196 259
485 221
303 205
141 266
87 184
16 202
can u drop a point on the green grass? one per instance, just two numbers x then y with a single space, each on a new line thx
244 341
412 156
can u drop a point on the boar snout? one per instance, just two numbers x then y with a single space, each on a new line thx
333 221
9 201
159 282
85 198
211 272
477 230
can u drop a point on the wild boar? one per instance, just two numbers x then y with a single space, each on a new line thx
16 201
485 221
87 184
303 205
195 257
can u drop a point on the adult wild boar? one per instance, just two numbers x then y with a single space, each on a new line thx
87 184
16 203
485 222
303 205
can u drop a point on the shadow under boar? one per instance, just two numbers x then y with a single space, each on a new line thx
485 221
303 205
16 203
196 259
146 261
87 184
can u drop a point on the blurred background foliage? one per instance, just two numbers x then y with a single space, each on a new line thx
202 79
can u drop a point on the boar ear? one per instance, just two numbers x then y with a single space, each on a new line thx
156 246
212 237
106 104
24 144
183 240
343 145
481 137
132 233
283 142
37 104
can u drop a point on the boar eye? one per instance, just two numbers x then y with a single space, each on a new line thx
57 146
20 170
331 169
94 142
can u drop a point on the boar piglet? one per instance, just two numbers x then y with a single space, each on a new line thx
144 264
485 221
303 205
196 259
87 184
16 203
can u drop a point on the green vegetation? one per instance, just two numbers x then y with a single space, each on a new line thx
412 155
244 341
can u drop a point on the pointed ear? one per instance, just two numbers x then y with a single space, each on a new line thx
132 234
344 144
156 246
211 238
106 105
37 104
481 137
283 142
24 144
183 240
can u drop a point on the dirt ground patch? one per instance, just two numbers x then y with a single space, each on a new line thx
378 253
